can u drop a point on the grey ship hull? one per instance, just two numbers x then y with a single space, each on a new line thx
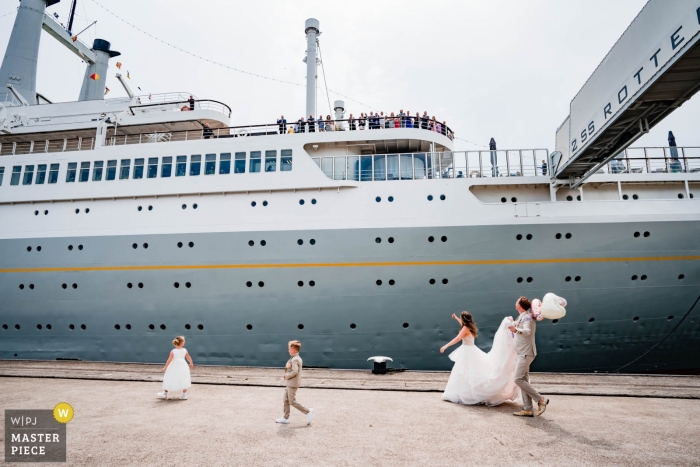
481 264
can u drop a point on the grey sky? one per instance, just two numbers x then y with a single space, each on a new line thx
491 68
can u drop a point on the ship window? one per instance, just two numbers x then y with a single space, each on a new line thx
366 168
41 174
70 175
2 173
84 172
353 167
124 169
152 167
392 167
97 171
138 168
255 161
181 166
270 161
286 160
111 170
28 175
225 163
16 174
166 167
53 173
239 164
380 167
419 166
195 165
210 164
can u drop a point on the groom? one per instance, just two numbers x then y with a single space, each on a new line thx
524 330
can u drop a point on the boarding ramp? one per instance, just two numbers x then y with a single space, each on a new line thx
652 70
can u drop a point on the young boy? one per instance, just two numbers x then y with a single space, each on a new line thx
292 380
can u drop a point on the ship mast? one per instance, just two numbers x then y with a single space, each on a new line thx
312 32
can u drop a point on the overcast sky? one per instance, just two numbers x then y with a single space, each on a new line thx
506 69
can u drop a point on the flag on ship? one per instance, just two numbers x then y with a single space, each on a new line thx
119 65
94 76
74 38
106 90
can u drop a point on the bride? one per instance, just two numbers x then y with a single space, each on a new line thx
478 377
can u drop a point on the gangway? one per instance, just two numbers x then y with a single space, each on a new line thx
651 71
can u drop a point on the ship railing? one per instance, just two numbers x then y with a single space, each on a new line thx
182 105
485 164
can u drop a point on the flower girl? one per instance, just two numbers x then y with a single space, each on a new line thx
177 375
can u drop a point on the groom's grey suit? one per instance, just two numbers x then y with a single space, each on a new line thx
526 350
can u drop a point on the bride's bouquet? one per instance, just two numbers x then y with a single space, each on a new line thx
550 307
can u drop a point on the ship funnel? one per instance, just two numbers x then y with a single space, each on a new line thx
312 32
20 63
94 82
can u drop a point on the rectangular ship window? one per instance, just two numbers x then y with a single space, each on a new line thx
138 168
40 174
195 164
2 174
70 175
181 166
84 172
166 168
28 175
255 161
239 167
210 164
286 160
225 163
111 170
270 161
125 169
97 171
53 173
152 167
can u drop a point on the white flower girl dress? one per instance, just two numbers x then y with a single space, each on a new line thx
177 375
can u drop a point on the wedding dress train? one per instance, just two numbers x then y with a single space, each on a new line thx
484 378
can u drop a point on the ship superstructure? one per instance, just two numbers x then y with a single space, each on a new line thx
127 221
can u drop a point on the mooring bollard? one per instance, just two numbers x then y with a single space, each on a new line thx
379 365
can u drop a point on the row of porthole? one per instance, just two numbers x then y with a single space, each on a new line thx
184 206
46 212
252 243
48 326
301 201
37 248
378 199
442 197
576 279
254 203
301 242
591 320
520 279
65 286
513 200
681 196
190 244
520 237
70 247
637 234
379 240
21 286
443 239
150 208
135 245
177 285
571 198
77 211
567 236
391 282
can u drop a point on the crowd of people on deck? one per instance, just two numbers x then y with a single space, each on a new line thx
373 121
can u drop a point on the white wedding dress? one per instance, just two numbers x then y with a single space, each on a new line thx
484 378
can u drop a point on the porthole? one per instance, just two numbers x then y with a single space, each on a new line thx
681 196
190 244
529 279
405 325
591 320
80 247
140 208
71 326
568 279
379 282
129 285
263 243
194 206
4 326
75 286
529 236
261 284
577 278
184 206
391 199
36 213
77 211
445 281
634 278
150 208
300 242
670 317
38 248
557 236
353 325
569 198
251 242
514 199
31 286
431 239
162 327
646 234
691 197
519 237
378 199
443 239
312 283
116 327
555 321
313 201
300 283
636 234
128 327
83 327
70 247
519 280
578 197
503 200
176 285
644 277
390 239
312 241
145 245
21 287
635 197
636 318
253 203
249 284
681 277
188 327
301 326
432 281
249 327
264 204
64 285
568 236
377 240
48 326
151 327
442 197
179 244
188 284
46 211
301 202
392 282
134 246
17 328
625 197
38 326
140 285
29 248
200 327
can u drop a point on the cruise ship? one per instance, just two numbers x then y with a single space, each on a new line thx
128 221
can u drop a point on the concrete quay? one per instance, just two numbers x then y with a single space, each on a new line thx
361 419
